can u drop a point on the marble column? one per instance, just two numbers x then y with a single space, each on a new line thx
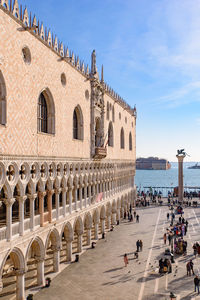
81 196
88 236
96 227
108 221
118 214
70 199
102 225
69 250
85 195
79 241
49 204
21 200
20 285
9 203
56 259
64 192
40 272
75 197
89 192
180 176
32 198
57 193
114 218
103 189
41 207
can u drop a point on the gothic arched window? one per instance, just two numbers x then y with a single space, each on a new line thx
110 135
130 141
108 111
122 138
113 114
77 123
2 100
46 113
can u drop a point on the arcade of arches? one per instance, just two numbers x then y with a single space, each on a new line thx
53 210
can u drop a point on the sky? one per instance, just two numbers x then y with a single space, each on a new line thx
150 50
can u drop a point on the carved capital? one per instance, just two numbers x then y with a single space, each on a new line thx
41 194
32 197
55 248
9 202
50 192
21 198
57 191
64 189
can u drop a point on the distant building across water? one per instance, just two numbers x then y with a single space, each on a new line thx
152 163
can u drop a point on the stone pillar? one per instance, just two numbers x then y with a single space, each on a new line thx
49 204
70 200
69 250
88 236
75 197
21 200
40 272
108 222
97 188
114 218
80 196
9 203
79 241
96 227
85 195
180 176
118 214
32 210
122 210
57 193
89 192
64 191
41 207
20 286
56 259
103 189
102 225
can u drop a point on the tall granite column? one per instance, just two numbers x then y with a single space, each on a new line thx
180 176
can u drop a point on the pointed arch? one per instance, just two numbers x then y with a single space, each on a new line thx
78 123
37 248
110 135
122 144
130 142
3 104
46 112
108 111
17 258
113 114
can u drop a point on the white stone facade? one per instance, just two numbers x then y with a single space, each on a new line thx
67 153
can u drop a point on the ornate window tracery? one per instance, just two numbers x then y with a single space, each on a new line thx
130 142
122 144
110 135
77 123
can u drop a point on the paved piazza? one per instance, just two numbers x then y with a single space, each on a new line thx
101 274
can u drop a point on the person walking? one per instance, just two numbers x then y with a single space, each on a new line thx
167 216
125 260
141 245
137 218
165 238
196 284
138 245
134 213
191 266
188 268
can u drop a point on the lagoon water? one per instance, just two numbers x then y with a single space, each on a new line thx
167 178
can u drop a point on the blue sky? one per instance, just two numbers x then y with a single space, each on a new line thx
150 50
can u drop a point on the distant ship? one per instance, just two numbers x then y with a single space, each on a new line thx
152 163
196 166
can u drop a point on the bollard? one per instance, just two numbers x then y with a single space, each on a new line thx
172 296
29 297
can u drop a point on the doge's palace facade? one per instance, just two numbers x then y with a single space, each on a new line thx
67 153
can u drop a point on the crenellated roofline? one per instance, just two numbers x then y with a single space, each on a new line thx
34 27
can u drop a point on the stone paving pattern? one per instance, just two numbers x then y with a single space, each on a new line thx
101 274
